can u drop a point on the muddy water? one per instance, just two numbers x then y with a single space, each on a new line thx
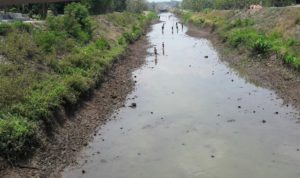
195 118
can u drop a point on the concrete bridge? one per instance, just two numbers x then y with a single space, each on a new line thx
4 3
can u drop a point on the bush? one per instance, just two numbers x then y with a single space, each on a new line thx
48 40
102 44
26 27
17 136
77 21
242 23
19 47
262 46
243 36
5 28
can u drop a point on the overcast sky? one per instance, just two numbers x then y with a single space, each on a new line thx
160 0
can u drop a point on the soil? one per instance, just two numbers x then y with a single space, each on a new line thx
76 128
268 72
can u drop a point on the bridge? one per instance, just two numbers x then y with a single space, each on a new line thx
4 3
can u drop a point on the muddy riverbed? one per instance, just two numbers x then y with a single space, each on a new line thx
192 116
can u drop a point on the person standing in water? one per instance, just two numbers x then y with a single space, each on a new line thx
163 48
155 51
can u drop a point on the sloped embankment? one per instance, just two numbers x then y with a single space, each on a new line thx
46 70
263 45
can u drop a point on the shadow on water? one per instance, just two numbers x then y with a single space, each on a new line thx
194 118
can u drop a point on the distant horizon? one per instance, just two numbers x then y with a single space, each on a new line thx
161 0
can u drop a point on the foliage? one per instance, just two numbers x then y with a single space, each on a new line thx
77 21
198 5
45 68
262 46
136 6
243 34
17 136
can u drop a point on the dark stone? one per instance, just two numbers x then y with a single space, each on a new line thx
133 105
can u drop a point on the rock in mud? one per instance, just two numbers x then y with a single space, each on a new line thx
133 105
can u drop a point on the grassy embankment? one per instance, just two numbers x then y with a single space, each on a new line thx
271 31
44 68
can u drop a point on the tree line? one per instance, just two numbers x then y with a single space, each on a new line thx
197 5
94 6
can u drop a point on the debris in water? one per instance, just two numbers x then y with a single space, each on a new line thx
264 121
206 56
133 105
83 171
212 156
231 120
151 112
232 80
239 107
298 149
277 113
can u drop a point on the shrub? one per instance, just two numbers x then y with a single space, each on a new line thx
26 27
77 21
243 36
17 136
102 44
18 47
242 23
262 46
5 28
47 40
121 40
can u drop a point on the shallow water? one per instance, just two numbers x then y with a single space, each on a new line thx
195 118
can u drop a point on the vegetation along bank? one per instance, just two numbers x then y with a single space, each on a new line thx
262 43
46 67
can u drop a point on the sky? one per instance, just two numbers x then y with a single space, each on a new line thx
159 0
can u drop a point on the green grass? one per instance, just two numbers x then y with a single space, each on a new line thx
242 33
48 67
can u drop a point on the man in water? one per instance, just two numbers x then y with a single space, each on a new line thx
155 51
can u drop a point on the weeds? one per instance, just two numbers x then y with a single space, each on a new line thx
48 67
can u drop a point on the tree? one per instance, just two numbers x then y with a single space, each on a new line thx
136 6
